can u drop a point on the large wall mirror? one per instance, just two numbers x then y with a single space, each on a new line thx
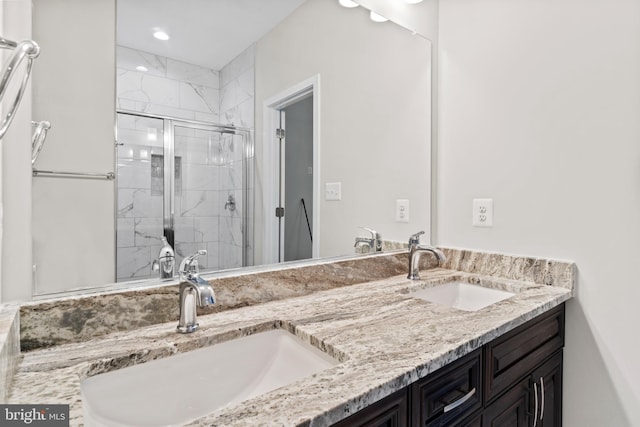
249 106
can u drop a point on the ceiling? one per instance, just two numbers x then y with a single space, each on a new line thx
209 33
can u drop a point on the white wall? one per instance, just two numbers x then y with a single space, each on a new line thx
374 106
16 170
73 219
539 110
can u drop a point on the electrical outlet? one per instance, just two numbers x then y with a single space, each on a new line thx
402 210
482 213
333 191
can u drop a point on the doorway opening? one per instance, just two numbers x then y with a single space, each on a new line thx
292 173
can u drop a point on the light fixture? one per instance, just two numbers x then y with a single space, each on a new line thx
413 1
348 3
161 35
377 18
142 68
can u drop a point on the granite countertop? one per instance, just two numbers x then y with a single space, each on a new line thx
384 339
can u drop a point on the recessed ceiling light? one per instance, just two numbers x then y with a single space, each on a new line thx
161 35
348 3
377 18
142 68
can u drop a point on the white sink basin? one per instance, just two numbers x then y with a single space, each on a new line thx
462 296
181 388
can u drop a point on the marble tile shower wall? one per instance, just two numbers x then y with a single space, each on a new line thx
140 202
168 87
207 174
237 88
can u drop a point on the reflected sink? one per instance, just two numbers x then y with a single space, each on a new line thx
462 296
187 386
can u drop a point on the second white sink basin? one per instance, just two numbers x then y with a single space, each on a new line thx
187 386
462 296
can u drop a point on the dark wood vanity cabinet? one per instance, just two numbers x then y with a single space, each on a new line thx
523 374
392 411
513 381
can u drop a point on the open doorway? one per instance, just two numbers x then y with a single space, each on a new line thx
296 191
291 173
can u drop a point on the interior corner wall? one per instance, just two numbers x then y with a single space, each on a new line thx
16 168
539 107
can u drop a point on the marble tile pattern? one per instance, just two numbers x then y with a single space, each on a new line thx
384 339
9 346
168 87
237 90
207 173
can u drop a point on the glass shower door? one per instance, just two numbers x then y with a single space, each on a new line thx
140 175
186 181
208 195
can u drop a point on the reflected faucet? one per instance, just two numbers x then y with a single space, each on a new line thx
374 242
166 261
194 291
415 250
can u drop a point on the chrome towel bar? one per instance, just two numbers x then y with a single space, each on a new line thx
82 175
25 48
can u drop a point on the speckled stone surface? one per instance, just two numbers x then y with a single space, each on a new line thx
539 270
78 318
9 346
384 338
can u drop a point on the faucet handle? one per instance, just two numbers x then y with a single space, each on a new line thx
374 233
189 265
415 238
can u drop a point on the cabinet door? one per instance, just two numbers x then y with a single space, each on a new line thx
514 355
511 409
388 412
548 380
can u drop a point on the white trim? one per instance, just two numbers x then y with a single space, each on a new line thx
271 109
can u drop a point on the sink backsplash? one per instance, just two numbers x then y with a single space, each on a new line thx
80 318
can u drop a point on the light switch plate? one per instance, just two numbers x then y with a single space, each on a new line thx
333 191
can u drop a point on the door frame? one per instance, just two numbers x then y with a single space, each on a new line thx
271 121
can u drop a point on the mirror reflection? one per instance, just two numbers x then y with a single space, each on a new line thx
260 131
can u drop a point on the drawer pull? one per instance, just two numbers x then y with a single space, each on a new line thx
454 405
542 404
535 399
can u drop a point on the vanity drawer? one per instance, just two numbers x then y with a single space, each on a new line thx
512 356
450 394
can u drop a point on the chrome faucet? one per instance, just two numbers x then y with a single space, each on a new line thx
194 291
374 242
415 250
166 261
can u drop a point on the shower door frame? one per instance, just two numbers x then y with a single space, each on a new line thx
168 129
